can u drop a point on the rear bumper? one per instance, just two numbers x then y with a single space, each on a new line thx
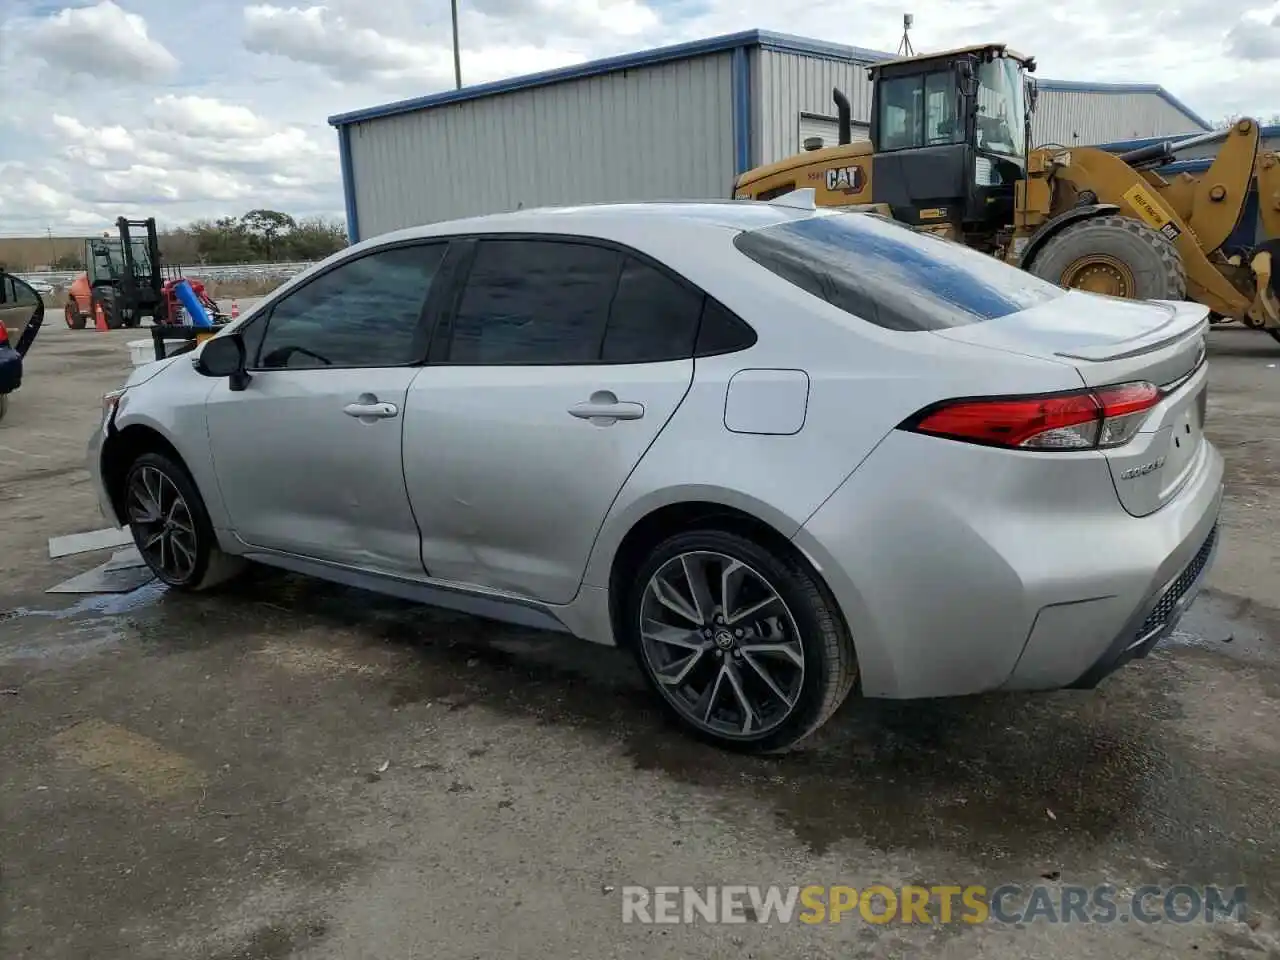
1155 620
963 569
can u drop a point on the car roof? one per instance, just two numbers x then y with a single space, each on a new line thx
618 221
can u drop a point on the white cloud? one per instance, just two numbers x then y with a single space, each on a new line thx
1256 36
316 35
206 108
495 39
103 41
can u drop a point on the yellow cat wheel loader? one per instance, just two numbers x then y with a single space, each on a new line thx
950 153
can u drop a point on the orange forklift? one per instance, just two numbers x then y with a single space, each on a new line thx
124 282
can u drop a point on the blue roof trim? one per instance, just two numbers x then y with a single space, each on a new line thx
1265 132
766 39
645 58
789 43
1159 91
594 68
348 184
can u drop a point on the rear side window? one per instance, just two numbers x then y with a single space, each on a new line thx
893 276
653 317
534 301
550 301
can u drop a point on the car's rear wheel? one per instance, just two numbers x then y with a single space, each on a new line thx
171 527
744 647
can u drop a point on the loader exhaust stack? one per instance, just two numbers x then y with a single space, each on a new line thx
845 115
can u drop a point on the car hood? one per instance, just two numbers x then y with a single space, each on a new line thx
148 371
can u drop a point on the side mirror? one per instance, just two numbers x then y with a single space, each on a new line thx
224 356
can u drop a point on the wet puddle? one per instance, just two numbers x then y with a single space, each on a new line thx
1052 782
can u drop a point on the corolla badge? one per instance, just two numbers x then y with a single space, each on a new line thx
1142 469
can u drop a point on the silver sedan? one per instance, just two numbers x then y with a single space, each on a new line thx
780 453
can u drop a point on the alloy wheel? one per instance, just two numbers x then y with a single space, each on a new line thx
721 644
164 527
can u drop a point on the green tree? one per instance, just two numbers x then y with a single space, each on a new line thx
314 238
265 229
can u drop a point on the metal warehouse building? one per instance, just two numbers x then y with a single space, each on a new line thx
672 123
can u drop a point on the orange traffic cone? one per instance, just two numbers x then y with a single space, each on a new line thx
235 309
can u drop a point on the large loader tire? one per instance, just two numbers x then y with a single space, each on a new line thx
1115 255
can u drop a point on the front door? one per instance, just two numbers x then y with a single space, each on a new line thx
564 362
307 456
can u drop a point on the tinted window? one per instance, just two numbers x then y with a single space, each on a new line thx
251 333
653 317
893 276
534 301
918 111
362 314
721 331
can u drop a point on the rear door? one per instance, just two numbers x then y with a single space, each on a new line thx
560 365
307 456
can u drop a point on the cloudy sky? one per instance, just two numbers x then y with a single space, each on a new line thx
200 108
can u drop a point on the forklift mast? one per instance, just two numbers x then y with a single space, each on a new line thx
133 272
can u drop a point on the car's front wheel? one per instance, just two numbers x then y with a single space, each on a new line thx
745 647
171 527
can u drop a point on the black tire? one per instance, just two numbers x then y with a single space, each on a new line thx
829 661
1152 258
71 313
106 298
209 566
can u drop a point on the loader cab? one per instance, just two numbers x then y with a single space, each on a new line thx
950 132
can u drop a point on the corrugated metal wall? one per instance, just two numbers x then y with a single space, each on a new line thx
828 128
660 132
784 85
1072 117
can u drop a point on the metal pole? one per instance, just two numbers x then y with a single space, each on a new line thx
457 57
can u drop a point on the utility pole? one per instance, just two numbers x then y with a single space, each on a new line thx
53 250
457 57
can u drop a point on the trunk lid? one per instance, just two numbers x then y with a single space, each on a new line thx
1109 341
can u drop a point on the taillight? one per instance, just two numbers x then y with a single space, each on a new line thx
1101 418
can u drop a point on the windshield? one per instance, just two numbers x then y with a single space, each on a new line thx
892 276
108 257
1002 110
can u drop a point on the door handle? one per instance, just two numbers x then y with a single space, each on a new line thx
371 410
603 405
